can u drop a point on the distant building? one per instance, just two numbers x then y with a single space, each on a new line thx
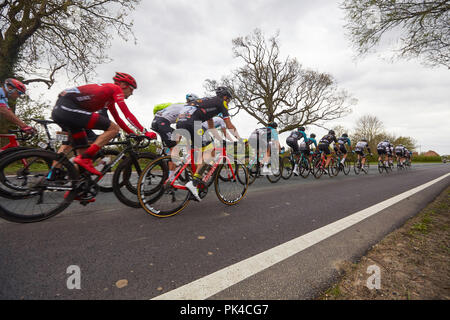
431 153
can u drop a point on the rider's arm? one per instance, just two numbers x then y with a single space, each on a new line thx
231 127
119 121
10 116
119 99
213 129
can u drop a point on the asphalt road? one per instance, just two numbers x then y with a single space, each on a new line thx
125 253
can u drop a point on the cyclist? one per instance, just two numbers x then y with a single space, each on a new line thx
324 145
359 150
75 111
268 138
340 147
11 90
191 119
292 141
306 149
166 115
384 150
400 152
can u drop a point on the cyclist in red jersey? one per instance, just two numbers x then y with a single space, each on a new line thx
75 111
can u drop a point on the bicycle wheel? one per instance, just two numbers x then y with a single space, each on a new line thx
126 176
357 167
304 168
333 168
287 166
366 166
275 175
253 172
101 158
318 168
233 189
39 197
346 168
381 167
157 198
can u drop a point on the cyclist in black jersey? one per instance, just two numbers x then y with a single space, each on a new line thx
191 119
324 145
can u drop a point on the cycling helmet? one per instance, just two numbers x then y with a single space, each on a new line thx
223 92
345 135
331 132
191 97
301 129
16 85
272 125
312 135
123 77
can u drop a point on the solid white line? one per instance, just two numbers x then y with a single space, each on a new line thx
209 285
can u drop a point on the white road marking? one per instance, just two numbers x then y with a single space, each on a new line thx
212 284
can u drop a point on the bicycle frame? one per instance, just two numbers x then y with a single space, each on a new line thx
190 162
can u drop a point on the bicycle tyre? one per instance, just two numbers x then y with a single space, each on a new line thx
240 181
287 168
21 209
150 199
346 168
124 186
305 168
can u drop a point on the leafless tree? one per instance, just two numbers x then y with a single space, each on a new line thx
424 27
40 37
270 88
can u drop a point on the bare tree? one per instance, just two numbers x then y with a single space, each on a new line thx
424 25
40 37
368 127
270 88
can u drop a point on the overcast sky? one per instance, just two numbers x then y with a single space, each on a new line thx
181 43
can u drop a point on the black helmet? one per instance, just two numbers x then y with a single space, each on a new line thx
345 135
312 135
331 132
301 128
223 92
272 125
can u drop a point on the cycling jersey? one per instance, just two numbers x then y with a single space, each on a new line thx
400 150
93 97
171 112
344 140
328 139
297 135
383 145
3 99
361 145
268 133
205 109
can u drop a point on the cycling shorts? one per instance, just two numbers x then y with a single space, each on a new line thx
381 151
75 120
325 148
340 148
292 142
162 126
